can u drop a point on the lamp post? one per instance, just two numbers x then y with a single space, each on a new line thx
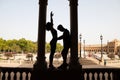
84 47
101 38
107 47
80 44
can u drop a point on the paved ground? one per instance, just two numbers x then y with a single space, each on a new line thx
88 62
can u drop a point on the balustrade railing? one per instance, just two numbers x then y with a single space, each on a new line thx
11 73
101 74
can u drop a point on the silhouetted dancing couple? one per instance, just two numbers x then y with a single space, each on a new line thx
66 43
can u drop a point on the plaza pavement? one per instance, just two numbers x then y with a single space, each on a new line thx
91 62
88 62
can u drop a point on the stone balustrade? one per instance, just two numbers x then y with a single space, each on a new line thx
12 73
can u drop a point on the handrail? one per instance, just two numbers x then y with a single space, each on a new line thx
87 73
13 72
109 73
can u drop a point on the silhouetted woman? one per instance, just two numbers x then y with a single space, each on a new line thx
49 27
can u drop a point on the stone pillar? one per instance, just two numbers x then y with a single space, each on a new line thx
41 63
74 63
0 74
40 66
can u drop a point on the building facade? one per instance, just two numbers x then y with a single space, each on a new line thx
110 47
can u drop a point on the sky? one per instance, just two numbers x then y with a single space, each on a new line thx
19 19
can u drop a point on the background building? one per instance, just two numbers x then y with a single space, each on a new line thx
111 47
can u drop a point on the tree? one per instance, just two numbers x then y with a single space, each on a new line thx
2 45
59 47
23 45
57 55
29 56
47 47
8 55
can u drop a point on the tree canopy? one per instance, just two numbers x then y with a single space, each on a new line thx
23 46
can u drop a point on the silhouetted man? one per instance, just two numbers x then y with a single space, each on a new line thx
66 44
49 27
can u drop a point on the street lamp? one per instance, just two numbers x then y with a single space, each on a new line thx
101 38
80 44
84 47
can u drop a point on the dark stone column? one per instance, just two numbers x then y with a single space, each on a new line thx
41 34
74 63
40 66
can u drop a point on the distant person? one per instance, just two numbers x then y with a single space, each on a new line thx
49 27
105 62
66 44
